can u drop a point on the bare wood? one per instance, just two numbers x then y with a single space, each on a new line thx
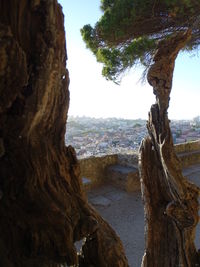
171 202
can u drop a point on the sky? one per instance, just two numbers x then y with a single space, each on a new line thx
92 95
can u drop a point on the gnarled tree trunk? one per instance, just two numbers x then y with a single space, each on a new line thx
43 210
171 204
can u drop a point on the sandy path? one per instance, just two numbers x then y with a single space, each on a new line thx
124 211
125 214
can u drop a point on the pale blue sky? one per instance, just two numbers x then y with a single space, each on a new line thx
91 95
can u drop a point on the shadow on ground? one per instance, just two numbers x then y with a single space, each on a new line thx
124 211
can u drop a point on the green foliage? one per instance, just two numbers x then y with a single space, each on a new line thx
88 35
105 4
129 31
117 60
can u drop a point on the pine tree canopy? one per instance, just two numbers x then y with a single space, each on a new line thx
129 30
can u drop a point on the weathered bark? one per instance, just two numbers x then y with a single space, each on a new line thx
171 204
43 209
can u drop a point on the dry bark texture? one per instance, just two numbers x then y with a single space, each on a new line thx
43 209
171 202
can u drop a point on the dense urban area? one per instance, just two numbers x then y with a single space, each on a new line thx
92 137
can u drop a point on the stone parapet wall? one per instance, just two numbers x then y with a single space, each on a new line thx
94 168
129 160
187 147
188 153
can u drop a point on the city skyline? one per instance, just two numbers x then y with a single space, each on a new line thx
95 137
91 95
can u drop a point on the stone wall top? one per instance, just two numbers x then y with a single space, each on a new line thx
94 168
187 147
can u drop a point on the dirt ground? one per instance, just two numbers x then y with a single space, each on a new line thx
124 211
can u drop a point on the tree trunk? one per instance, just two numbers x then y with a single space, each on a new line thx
170 201
43 208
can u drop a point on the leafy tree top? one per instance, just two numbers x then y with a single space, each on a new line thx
129 30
